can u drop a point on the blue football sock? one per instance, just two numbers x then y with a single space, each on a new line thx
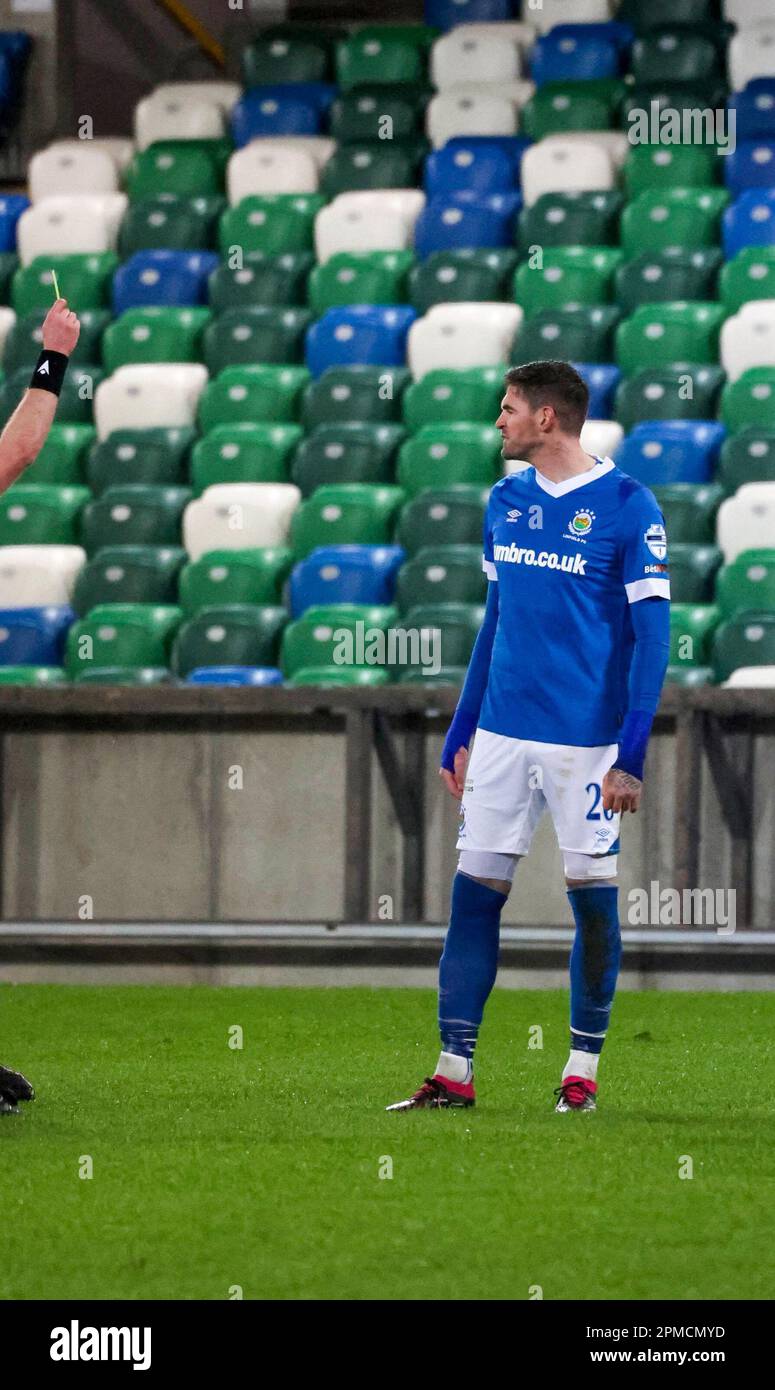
594 964
469 963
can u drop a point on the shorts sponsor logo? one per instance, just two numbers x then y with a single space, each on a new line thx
655 569
545 559
656 540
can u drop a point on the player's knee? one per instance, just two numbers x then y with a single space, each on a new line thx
495 871
582 870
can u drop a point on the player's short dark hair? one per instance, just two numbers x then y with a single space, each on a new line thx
556 384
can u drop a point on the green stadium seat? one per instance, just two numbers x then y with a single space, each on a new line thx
693 570
155 335
187 168
85 280
748 639
269 60
421 675
690 510
250 394
41 514
664 276
346 453
422 36
366 394
171 223
749 402
338 514
748 584
121 634
585 334
689 675
259 333
272 222
62 460
25 340
363 114
340 675
670 97
122 675
380 59
471 273
232 634
129 574
559 106
261 279
457 623
691 58
750 275
32 675
370 277
680 218
254 453
442 573
315 640
670 166
691 628
443 516
438 455
366 164
747 457
668 393
668 335
250 576
661 12
9 264
571 219
136 514
445 395
158 456
567 276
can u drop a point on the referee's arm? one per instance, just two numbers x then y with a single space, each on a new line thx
25 434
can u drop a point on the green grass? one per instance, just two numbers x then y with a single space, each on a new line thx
259 1167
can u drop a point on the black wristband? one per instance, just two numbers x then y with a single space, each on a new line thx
50 371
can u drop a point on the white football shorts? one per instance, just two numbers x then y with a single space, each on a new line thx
510 782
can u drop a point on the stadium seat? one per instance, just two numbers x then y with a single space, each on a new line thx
261 279
462 336
235 675
332 676
669 393
170 223
747 584
234 634
370 334
667 335
671 166
129 574
349 452
32 675
689 510
582 334
477 111
121 635
478 55
39 576
443 516
314 641
751 275
557 165
562 106
345 513
689 676
750 165
258 333
163 116
674 54
444 395
73 224
575 52
255 170
251 394
184 168
376 220
747 456
600 437
264 112
360 574
163 394
272 58
273 223
365 114
751 53
750 400
601 380
153 335
239 516
160 278
134 514
367 59
9 264
62 459
748 338
754 110
255 575
457 625
254 453
749 221
450 223
373 277
445 14
743 641
439 455
156 456
661 12
41 514
672 218
12 206
693 571
34 636
671 451
747 521
120 148
447 573
664 276
68 171
479 167
566 277
751 677
366 394
691 632
576 218
365 166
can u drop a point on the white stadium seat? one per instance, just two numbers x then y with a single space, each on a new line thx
472 113
35 576
460 336
159 394
177 118
748 338
320 147
613 143
223 94
233 516
7 321
751 677
747 520
376 220
751 54
120 149
551 12
559 165
463 55
77 168
278 169
68 225
601 437
745 12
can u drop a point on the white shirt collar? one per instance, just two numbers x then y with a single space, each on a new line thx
602 467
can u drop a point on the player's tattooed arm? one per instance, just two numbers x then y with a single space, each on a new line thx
621 791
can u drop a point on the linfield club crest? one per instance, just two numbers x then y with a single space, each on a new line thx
581 523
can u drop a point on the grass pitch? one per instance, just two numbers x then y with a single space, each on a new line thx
260 1167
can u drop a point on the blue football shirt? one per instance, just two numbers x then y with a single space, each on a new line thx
569 558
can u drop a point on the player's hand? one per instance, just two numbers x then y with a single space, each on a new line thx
455 781
61 328
621 791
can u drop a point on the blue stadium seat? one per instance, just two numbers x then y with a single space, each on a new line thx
456 221
445 14
749 221
12 205
255 115
578 52
161 278
657 452
366 334
512 145
478 168
754 110
34 636
750 165
346 574
602 380
235 675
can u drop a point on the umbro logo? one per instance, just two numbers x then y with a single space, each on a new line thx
43 369
512 515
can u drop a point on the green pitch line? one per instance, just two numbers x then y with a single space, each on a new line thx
259 1167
